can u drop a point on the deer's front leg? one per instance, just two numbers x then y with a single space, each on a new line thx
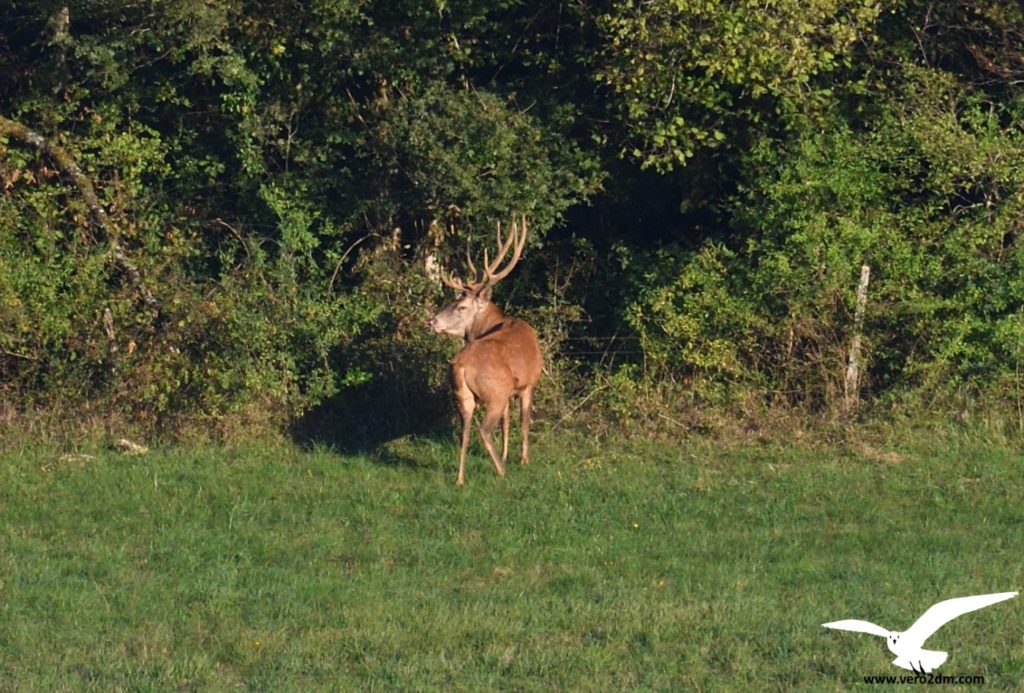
466 403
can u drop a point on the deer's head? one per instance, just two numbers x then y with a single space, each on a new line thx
474 296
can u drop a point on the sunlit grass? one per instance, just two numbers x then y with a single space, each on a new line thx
596 568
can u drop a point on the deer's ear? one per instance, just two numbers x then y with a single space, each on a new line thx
484 294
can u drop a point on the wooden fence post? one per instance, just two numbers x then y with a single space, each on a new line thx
852 383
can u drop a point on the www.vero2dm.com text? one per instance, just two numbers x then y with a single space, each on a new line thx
929 678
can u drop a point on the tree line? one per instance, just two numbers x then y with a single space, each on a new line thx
226 208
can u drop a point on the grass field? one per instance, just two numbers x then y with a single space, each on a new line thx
627 566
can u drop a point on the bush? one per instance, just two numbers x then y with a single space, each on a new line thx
926 195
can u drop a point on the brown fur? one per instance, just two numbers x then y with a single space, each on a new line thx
501 359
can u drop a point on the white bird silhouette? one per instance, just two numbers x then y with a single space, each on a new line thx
908 645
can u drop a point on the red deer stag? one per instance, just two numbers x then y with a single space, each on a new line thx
501 357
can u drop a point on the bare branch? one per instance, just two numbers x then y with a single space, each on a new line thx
70 168
12 354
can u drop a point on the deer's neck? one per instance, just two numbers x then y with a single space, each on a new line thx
487 321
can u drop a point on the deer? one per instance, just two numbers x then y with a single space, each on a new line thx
500 358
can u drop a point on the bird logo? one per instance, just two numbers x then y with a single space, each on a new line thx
908 645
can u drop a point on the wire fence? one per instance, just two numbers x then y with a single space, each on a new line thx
615 345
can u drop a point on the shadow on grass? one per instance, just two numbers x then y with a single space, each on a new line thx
377 420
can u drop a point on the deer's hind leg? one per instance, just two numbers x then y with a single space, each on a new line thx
495 412
505 422
525 405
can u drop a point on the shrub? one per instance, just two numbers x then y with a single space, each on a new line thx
927 195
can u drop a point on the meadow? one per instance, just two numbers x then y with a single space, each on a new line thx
628 565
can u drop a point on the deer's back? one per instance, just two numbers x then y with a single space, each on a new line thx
511 351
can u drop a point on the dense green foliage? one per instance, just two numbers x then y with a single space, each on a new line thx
595 568
705 178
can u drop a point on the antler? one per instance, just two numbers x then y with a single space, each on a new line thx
492 274
454 282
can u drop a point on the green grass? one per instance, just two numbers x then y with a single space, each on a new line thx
637 566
